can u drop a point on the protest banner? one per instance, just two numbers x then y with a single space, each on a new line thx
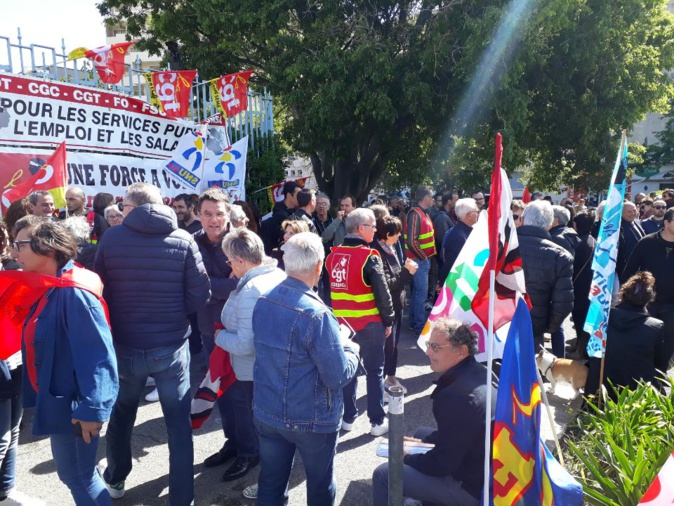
44 113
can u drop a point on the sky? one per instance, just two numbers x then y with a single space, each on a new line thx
46 22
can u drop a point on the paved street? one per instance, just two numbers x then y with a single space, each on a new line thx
148 482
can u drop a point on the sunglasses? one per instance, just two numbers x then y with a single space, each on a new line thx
659 207
516 217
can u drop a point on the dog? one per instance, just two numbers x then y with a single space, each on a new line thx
561 370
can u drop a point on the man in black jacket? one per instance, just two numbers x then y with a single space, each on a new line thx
560 233
548 272
154 277
272 234
450 474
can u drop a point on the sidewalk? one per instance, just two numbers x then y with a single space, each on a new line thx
354 463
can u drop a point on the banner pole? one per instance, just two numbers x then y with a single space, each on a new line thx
544 395
487 419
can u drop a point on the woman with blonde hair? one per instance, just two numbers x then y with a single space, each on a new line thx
290 228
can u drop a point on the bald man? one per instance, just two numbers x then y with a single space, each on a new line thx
75 201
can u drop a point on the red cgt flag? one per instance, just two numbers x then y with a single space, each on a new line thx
526 196
108 60
52 177
171 91
230 93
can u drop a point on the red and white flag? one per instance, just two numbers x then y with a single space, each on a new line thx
230 93
51 177
171 91
661 491
108 60
504 255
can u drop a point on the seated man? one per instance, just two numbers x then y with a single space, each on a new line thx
452 472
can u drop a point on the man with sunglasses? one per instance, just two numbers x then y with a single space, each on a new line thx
657 220
451 472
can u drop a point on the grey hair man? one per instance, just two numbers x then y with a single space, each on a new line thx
467 212
548 272
237 216
41 203
361 298
560 233
301 365
325 227
79 228
154 277
451 473
630 234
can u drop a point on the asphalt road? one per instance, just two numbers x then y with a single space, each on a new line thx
148 482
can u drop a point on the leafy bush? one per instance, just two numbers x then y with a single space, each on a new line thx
617 450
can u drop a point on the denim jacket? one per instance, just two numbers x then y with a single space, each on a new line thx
301 365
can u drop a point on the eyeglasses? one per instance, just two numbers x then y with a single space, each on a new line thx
114 217
435 346
373 227
17 244
322 204
659 207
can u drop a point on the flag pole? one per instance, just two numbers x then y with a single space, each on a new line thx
490 364
544 395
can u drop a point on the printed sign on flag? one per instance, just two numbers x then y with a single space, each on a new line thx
227 170
171 91
230 93
275 191
185 165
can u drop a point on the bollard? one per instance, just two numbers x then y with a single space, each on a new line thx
396 434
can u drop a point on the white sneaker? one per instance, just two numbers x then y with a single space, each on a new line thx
18 498
346 427
150 382
152 396
116 491
379 430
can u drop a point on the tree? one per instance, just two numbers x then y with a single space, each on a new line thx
383 86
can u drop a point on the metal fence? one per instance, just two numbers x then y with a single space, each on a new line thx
36 60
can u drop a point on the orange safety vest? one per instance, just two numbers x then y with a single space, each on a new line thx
352 298
426 235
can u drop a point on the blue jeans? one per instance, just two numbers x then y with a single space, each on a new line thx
76 467
170 368
225 408
419 296
277 450
371 341
557 341
11 411
239 398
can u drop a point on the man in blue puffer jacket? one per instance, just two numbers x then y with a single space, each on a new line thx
154 277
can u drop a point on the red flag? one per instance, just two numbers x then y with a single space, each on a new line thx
108 60
52 177
661 491
275 191
526 196
504 256
170 91
230 93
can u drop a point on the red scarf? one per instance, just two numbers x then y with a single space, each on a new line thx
21 291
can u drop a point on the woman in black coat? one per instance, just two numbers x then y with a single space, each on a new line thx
633 339
388 232
582 278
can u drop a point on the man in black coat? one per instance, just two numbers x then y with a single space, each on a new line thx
582 279
154 277
467 212
560 233
450 474
548 271
272 234
630 234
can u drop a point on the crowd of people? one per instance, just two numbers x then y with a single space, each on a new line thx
303 303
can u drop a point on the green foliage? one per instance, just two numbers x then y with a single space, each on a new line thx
618 449
662 152
377 87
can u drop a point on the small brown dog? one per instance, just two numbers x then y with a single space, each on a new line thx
561 370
